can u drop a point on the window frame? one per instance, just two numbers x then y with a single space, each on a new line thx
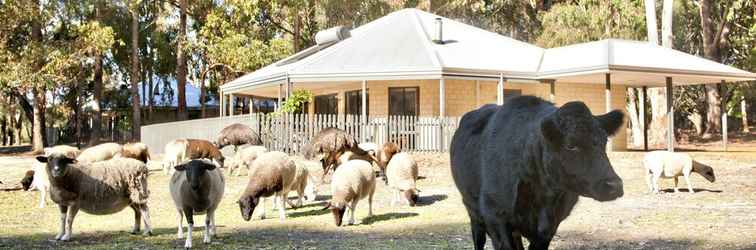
417 100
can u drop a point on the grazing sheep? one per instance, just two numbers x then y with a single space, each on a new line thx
272 174
136 150
198 149
331 142
99 188
670 165
304 183
196 188
237 134
102 152
175 152
244 158
401 173
352 182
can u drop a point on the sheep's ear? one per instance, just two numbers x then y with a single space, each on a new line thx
181 167
69 160
209 166
42 159
611 122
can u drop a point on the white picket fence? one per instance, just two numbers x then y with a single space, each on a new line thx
290 132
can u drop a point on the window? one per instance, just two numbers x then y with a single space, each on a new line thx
264 105
354 102
404 101
326 104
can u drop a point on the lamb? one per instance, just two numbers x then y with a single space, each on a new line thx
352 182
99 188
102 152
196 188
237 134
136 150
244 158
197 149
304 182
175 152
272 174
401 174
670 165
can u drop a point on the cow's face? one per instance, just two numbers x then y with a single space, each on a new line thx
57 165
576 152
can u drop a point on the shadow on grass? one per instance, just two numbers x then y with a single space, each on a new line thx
449 236
695 190
312 212
429 200
385 217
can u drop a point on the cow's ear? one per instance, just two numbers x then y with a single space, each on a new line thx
611 122
550 129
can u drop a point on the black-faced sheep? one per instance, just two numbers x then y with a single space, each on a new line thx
272 174
237 134
37 179
99 188
175 152
401 173
670 165
137 150
244 158
351 182
102 152
197 188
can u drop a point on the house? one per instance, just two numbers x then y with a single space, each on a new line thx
414 63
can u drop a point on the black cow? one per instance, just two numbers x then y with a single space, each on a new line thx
520 167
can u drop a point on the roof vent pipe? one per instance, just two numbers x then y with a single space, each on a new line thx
439 35
332 35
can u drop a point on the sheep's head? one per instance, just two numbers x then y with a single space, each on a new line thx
337 210
27 180
195 170
57 164
707 172
411 196
247 204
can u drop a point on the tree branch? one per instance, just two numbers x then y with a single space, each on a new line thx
719 35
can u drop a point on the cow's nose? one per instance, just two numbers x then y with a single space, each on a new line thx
614 186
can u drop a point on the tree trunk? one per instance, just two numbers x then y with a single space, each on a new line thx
38 143
203 91
136 115
96 132
181 63
151 99
658 126
635 123
744 115
712 52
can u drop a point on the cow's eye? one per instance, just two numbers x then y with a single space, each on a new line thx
571 147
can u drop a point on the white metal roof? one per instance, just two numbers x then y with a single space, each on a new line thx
399 46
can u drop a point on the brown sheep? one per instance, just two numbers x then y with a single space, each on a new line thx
198 149
332 143
137 150
237 134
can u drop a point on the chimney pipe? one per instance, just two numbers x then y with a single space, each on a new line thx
439 38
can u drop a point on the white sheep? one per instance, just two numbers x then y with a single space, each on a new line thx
102 152
175 152
351 182
244 158
670 165
99 188
401 173
196 188
272 174
305 183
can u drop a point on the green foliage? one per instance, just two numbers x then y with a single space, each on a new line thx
294 103
591 20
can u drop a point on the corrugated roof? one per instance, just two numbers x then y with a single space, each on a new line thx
400 45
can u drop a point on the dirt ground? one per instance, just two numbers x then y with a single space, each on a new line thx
718 216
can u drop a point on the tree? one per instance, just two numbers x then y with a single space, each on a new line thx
134 78
94 137
181 62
